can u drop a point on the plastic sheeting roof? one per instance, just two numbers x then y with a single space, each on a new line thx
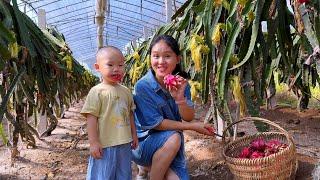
125 21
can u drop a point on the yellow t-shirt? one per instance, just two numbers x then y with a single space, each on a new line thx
112 105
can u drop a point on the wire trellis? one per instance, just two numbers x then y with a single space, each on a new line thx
124 22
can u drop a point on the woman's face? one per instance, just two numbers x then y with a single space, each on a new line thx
163 59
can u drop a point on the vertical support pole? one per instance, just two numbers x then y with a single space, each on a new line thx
145 32
220 125
134 43
168 6
42 21
128 50
43 123
99 20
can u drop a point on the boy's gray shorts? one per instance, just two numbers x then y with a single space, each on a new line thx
114 165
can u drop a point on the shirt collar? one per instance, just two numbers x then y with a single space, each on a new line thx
152 80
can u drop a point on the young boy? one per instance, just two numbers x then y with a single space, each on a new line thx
109 111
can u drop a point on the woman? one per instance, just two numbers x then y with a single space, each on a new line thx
163 113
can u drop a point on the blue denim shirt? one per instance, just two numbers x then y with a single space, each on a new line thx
153 104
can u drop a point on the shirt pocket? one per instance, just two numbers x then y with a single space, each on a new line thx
166 110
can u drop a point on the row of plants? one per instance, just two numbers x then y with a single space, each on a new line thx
233 48
38 76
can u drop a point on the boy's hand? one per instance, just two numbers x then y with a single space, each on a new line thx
96 150
135 141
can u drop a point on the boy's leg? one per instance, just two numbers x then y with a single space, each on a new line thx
123 169
105 168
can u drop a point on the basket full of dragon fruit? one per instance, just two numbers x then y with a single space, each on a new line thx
260 148
267 155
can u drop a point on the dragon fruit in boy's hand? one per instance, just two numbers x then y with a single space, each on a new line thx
170 80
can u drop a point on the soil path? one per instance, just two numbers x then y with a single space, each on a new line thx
64 154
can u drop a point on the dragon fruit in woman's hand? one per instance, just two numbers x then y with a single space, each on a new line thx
170 80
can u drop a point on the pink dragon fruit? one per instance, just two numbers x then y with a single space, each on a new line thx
258 144
170 80
260 148
303 1
256 154
245 153
210 129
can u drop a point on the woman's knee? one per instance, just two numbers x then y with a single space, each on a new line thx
171 175
173 143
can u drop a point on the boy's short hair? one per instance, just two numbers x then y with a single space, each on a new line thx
106 48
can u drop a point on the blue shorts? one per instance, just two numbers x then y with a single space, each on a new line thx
147 147
114 165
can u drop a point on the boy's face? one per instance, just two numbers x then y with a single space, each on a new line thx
110 64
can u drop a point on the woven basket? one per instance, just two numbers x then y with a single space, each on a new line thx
281 165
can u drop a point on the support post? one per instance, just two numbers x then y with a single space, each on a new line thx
168 6
42 21
99 20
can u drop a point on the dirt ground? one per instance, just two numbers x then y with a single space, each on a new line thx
60 157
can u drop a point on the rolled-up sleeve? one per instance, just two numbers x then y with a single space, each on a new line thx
187 94
147 112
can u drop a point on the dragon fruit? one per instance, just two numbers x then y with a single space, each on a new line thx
273 142
170 80
256 154
260 148
303 1
210 129
258 144
245 153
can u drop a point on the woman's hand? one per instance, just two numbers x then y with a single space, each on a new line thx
177 91
202 128
96 150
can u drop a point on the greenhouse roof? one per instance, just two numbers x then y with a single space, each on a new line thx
125 21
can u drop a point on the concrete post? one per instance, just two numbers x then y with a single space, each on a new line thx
168 6
42 21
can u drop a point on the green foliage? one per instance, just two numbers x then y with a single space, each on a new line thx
39 69
242 42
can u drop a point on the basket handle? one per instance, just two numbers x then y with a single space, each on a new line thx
288 136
